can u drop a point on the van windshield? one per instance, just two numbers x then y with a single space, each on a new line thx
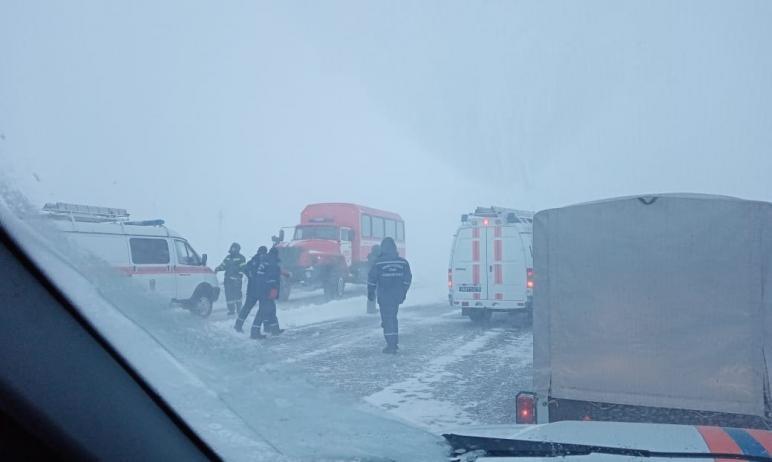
316 232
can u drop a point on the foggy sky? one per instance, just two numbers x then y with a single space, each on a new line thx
226 119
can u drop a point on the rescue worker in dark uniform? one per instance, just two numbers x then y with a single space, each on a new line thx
270 277
254 283
389 281
232 280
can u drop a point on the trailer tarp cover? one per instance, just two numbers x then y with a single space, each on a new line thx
657 301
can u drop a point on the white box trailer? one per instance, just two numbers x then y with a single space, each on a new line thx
491 262
653 309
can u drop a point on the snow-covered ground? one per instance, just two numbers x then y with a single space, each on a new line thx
449 373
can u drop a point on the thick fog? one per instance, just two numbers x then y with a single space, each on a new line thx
226 119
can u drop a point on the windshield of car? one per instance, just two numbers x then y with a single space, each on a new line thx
316 232
564 199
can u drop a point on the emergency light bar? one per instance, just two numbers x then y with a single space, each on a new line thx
510 215
88 212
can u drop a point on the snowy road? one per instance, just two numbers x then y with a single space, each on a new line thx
449 371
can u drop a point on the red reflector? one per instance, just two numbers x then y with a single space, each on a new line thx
525 405
529 284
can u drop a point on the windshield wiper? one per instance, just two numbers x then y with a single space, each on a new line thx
502 447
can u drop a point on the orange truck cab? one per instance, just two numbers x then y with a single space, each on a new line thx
330 246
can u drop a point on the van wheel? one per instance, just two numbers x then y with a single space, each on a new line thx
335 287
480 316
203 306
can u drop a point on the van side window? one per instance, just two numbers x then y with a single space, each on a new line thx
378 227
401 231
185 254
391 229
149 251
367 226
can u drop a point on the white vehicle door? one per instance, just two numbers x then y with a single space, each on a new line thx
506 264
468 267
187 269
151 265
345 245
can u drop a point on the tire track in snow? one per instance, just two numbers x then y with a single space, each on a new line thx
414 399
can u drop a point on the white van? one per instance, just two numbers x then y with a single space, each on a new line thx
491 263
147 251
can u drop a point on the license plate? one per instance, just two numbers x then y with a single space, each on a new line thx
470 289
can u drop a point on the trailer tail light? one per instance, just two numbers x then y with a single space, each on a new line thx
485 222
450 278
529 278
525 406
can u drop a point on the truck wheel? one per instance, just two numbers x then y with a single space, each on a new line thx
284 291
335 287
202 306
480 316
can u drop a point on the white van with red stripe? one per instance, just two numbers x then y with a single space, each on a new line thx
156 257
491 263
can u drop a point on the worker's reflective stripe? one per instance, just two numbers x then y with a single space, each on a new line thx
747 442
371 284
390 262
391 334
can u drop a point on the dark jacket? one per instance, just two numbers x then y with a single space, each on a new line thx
232 265
269 276
252 270
390 277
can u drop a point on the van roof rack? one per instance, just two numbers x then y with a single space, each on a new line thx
78 212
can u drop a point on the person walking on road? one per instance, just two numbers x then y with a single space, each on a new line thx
254 283
232 281
271 280
388 282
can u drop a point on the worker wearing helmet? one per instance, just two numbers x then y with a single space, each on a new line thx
232 281
388 281
254 283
